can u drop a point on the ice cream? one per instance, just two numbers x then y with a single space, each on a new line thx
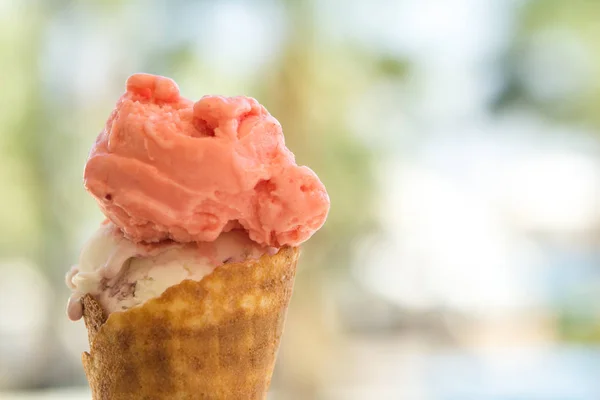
122 274
184 289
167 168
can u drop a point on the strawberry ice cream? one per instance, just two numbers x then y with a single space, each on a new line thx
180 181
167 168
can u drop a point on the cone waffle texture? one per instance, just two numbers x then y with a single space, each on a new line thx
211 339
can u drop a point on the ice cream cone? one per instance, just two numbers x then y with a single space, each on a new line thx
211 339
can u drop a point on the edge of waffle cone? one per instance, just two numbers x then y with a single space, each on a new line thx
211 339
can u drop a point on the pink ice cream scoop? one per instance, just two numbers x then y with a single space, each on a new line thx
167 168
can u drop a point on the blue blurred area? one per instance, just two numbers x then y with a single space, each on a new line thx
545 373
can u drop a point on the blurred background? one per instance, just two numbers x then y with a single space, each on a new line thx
460 144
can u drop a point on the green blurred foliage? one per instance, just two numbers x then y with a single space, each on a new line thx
21 165
577 328
575 23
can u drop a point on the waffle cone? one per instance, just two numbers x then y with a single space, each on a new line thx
211 339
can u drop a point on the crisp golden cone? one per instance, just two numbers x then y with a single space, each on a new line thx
212 339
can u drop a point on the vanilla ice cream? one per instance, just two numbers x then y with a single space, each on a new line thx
122 274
